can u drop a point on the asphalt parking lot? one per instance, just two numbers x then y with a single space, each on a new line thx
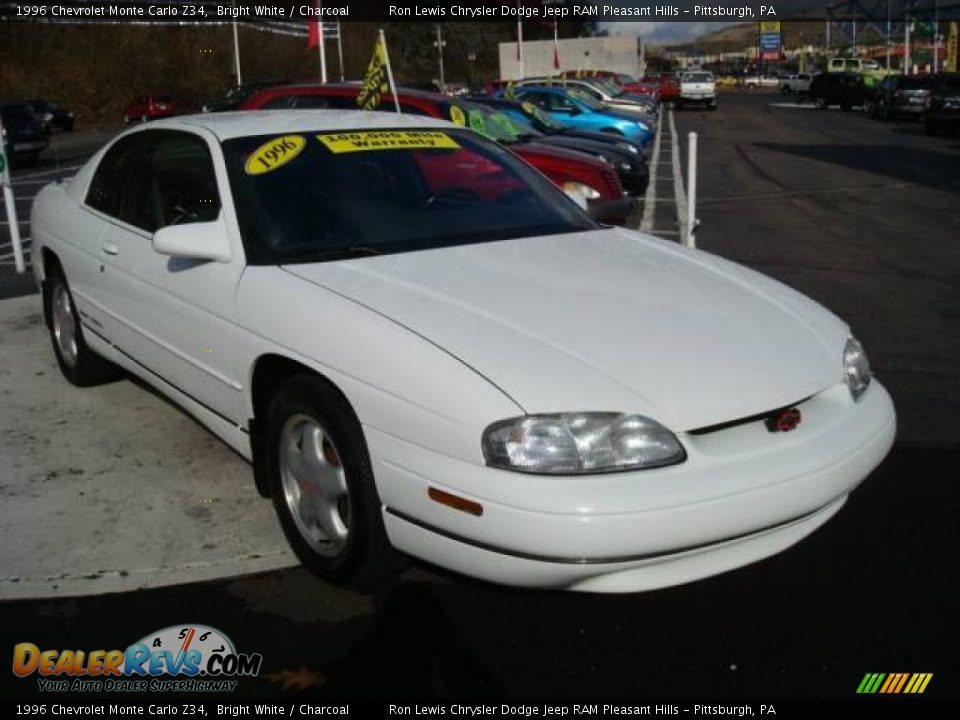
861 216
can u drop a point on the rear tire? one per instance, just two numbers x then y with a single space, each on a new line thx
78 363
321 482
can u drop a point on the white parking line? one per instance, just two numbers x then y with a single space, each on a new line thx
650 198
41 173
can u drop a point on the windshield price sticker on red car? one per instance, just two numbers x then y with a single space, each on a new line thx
274 153
366 141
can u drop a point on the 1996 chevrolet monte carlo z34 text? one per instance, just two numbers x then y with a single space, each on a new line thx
425 348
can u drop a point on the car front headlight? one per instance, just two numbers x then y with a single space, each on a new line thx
856 368
572 187
629 147
644 126
580 443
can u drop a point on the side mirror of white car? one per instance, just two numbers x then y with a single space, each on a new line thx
197 240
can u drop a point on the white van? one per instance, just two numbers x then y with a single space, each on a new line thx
841 64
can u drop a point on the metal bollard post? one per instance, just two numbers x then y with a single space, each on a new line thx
11 205
691 240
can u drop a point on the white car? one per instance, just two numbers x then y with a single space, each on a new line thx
751 82
799 83
600 91
697 88
424 348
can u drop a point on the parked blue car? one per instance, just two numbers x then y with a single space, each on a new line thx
583 112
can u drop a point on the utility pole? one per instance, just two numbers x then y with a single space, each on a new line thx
340 49
888 35
906 46
321 48
236 47
439 44
936 34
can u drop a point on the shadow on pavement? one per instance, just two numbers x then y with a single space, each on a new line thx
906 164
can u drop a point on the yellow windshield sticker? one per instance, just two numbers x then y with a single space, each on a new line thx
274 154
456 114
369 140
528 108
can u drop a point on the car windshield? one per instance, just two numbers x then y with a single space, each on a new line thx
698 77
485 120
586 99
625 79
314 196
541 118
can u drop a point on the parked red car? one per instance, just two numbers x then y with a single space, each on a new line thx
149 107
573 171
668 85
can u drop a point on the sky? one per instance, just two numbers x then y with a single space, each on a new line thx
663 32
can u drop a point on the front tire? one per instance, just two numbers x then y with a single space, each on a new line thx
321 482
78 363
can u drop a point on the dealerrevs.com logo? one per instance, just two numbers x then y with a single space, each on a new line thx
180 658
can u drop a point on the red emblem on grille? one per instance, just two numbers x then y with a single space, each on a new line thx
784 420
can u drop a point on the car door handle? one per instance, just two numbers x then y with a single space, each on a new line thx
109 248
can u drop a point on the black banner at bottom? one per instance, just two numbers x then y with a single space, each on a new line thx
873 707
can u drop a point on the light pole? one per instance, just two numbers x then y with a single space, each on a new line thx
236 47
439 44
472 57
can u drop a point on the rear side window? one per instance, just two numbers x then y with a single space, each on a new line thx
108 181
281 102
322 102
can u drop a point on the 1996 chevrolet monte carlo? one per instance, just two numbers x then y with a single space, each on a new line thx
426 349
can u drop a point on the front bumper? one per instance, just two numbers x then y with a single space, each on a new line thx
743 494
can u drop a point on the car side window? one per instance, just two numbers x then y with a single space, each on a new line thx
281 102
109 180
176 183
315 102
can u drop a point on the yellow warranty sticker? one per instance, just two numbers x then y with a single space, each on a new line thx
367 140
456 114
274 153
529 108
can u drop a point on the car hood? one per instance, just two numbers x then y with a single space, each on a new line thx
605 320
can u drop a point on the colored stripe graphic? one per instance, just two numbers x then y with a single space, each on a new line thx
894 683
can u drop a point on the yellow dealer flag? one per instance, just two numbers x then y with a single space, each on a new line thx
952 41
379 78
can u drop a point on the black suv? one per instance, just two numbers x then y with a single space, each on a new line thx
23 136
899 96
838 88
943 110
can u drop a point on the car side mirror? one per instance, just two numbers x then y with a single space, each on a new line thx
197 240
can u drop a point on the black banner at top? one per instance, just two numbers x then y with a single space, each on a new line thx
191 11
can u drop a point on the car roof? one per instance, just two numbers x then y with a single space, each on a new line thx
272 122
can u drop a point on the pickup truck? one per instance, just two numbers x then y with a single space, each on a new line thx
697 88
799 84
760 81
